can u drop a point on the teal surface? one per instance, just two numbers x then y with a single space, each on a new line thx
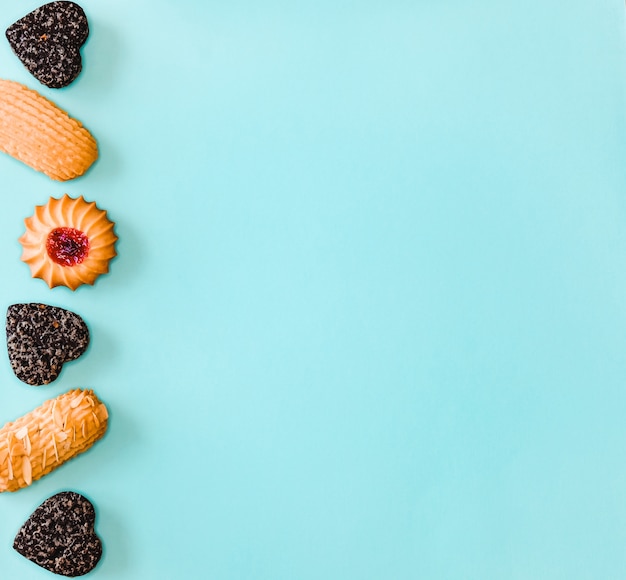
368 317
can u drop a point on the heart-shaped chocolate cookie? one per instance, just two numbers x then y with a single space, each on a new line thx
48 41
60 537
40 338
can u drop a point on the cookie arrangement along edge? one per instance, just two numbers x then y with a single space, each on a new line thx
37 132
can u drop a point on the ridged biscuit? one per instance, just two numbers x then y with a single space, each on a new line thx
42 440
43 136
68 242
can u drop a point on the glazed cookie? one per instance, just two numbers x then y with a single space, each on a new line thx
43 136
39 442
60 536
41 338
68 242
48 41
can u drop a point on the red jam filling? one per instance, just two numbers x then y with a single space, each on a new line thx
67 246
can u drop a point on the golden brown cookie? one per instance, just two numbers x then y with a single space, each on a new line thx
43 136
68 242
42 440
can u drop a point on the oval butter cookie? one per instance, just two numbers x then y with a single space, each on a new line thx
42 440
43 136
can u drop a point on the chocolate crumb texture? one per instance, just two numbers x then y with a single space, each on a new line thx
48 42
41 338
60 537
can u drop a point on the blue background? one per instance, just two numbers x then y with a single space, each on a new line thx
368 317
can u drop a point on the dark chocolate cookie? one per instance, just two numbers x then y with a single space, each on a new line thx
40 338
48 41
59 536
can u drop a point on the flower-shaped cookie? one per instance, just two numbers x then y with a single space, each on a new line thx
68 242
